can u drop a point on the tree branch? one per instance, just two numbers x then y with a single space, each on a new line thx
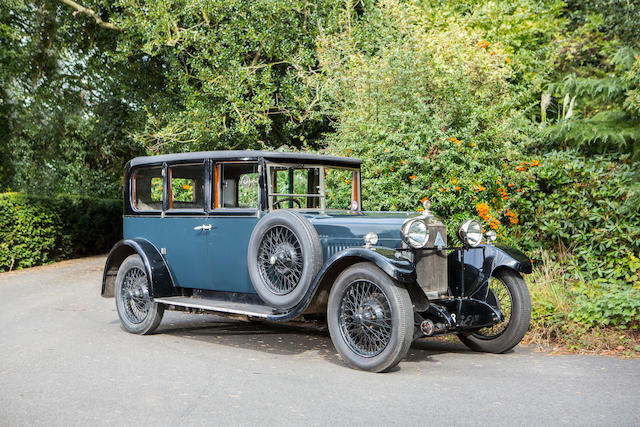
91 13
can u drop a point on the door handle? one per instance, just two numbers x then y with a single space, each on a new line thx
203 227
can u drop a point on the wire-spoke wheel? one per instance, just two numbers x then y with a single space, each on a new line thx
138 312
280 260
370 318
365 318
499 296
509 294
283 257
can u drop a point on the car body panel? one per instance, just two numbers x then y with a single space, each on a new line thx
479 265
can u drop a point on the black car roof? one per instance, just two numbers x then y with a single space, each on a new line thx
247 155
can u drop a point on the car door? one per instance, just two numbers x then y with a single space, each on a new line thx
233 216
187 227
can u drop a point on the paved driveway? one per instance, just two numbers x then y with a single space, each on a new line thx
65 361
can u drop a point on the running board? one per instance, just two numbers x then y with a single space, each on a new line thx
221 306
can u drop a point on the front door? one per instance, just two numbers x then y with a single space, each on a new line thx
187 228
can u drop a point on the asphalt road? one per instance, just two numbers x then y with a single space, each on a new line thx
64 360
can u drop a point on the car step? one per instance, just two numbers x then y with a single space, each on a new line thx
220 306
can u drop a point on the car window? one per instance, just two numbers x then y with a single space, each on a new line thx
146 189
187 187
295 187
338 188
238 186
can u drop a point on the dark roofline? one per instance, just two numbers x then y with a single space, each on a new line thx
246 155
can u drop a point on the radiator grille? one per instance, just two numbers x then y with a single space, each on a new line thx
431 264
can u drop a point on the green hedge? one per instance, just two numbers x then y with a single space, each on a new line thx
36 230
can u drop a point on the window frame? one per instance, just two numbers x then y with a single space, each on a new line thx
167 208
355 186
133 190
215 192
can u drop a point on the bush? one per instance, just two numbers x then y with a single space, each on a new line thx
37 230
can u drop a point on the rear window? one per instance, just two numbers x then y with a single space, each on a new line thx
146 189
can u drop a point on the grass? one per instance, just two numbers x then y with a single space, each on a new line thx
551 326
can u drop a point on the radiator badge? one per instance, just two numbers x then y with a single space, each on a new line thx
439 243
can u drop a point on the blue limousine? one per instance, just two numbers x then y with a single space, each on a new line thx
280 236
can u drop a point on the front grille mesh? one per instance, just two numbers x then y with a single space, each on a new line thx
431 264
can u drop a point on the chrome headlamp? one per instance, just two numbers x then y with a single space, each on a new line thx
415 233
470 233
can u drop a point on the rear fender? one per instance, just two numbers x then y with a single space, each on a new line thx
479 265
155 267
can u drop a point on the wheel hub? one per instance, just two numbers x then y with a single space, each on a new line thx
284 258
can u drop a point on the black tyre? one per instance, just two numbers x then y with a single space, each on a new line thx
283 258
370 318
508 292
139 314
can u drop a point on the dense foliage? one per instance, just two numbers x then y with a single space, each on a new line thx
38 229
524 114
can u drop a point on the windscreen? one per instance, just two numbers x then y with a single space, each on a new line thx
313 187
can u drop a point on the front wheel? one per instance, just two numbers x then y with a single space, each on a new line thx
508 293
139 314
370 318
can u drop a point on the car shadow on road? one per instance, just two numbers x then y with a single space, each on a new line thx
294 338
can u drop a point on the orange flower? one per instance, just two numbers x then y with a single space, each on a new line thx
457 188
454 181
386 150
493 52
455 140
535 163
412 177
513 217
480 188
424 199
507 60
482 44
186 187
403 161
348 150
510 184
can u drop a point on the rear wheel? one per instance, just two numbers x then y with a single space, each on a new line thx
370 318
139 314
508 292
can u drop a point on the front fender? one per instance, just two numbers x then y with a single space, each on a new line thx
155 267
479 265
401 270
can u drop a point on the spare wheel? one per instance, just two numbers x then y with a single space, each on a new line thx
284 256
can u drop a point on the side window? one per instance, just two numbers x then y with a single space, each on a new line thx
187 187
146 189
238 186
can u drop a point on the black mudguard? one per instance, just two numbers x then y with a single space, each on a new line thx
399 269
155 267
479 265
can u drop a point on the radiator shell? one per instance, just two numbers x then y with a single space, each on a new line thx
431 263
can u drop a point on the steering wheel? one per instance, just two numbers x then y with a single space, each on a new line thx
288 199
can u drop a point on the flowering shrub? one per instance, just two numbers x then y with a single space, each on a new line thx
434 113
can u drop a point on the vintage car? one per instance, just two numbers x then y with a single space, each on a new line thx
281 236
